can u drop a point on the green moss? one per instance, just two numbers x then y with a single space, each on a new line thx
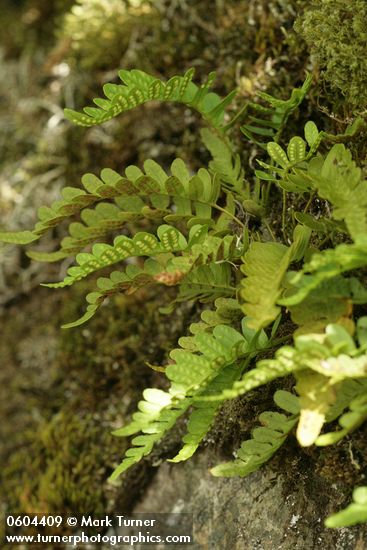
99 31
70 389
336 33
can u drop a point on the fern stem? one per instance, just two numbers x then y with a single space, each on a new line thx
284 212
309 202
229 214
241 112
266 223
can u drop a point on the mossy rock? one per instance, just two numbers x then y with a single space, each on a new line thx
70 390
336 34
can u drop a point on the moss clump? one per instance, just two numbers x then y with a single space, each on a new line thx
99 31
336 33
62 394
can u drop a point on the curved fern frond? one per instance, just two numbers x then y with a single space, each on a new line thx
190 373
355 513
200 249
349 422
150 194
204 413
265 371
168 239
274 116
266 440
139 87
322 267
265 265
224 162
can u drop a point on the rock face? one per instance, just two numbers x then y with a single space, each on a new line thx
265 511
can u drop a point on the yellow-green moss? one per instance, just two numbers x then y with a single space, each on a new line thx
336 33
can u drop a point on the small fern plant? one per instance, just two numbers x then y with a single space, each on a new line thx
214 237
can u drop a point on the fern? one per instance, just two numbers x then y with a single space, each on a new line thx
356 512
204 414
267 370
142 244
331 301
188 375
224 162
265 440
203 240
349 421
152 194
183 269
265 265
274 117
322 267
139 87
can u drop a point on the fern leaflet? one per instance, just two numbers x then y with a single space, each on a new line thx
265 440
139 87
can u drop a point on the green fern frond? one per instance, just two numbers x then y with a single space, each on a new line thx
201 248
346 392
265 371
151 194
139 87
349 422
322 267
168 239
206 283
297 170
189 375
273 118
265 440
227 311
340 182
355 513
327 304
204 413
265 265
224 162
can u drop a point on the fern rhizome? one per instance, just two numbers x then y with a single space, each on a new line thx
307 269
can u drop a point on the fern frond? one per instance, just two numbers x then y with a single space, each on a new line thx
322 267
265 440
201 248
142 244
340 182
227 311
297 170
224 162
355 513
349 422
139 87
274 117
204 413
267 370
206 283
346 392
328 303
265 265
150 194
316 396
189 375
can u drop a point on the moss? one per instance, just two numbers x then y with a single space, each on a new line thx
336 33
70 389
99 31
